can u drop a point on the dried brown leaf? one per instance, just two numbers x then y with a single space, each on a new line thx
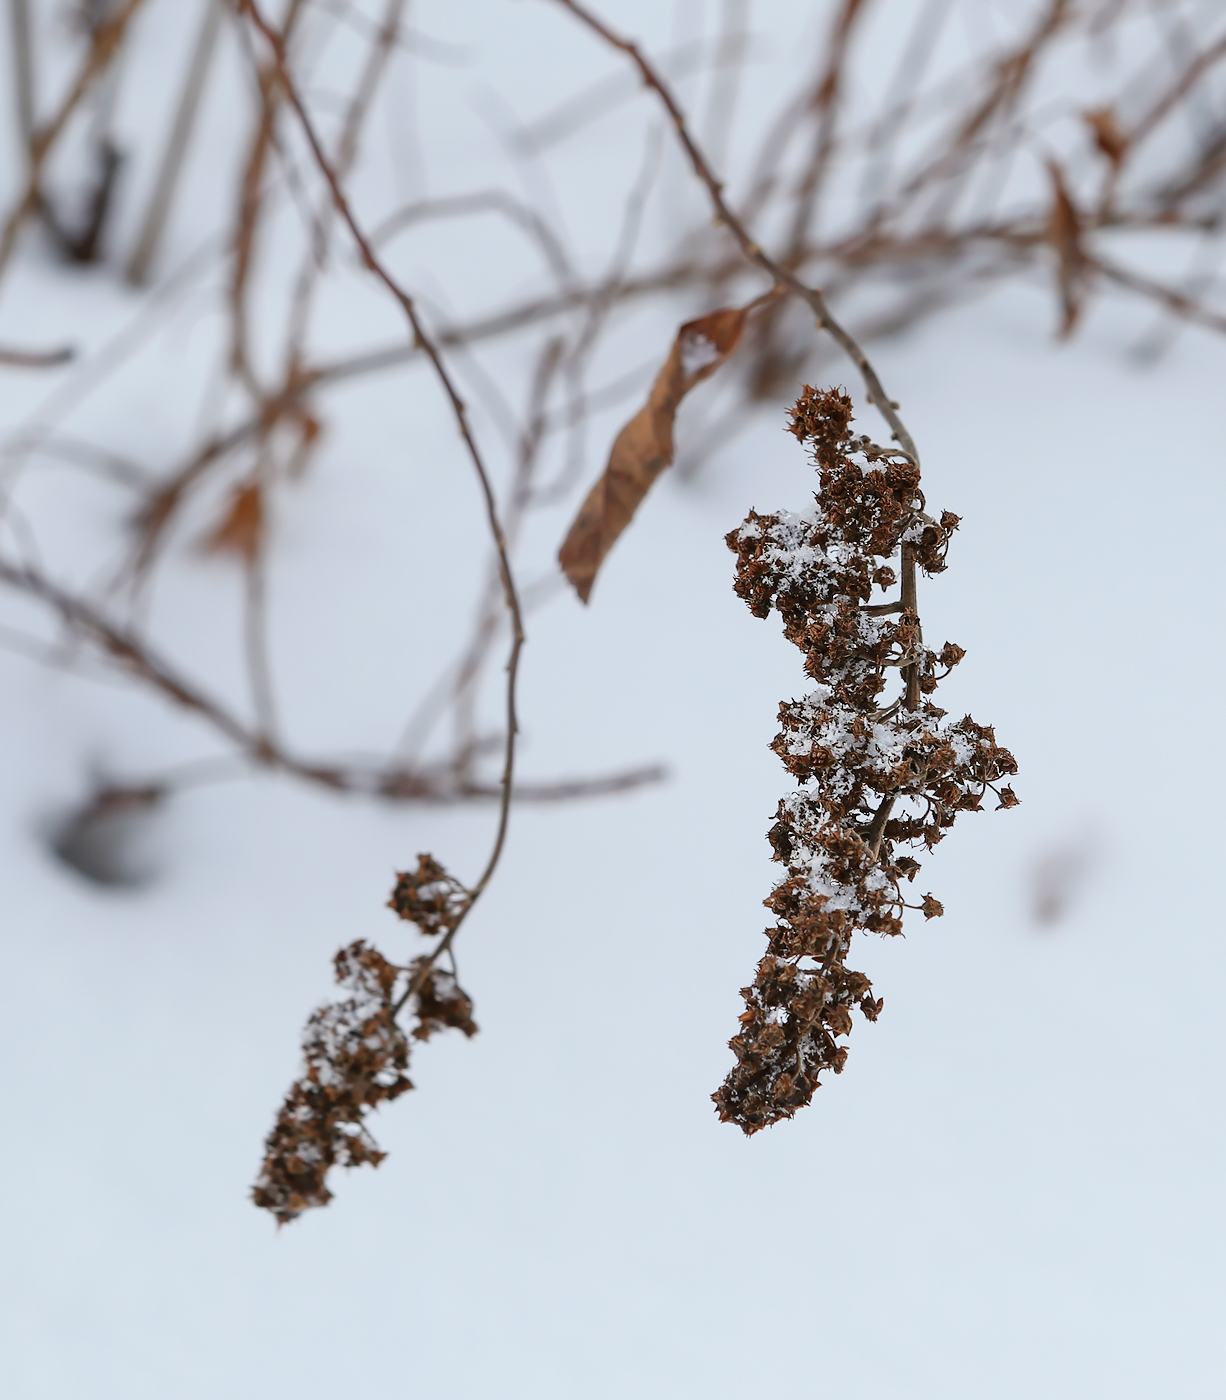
1108 136
429 897
241 530
1064 233
644 447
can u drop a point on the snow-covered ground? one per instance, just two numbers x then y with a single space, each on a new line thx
1012 1191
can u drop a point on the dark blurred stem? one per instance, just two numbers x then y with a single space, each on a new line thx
176 144
23 70
255 636
912 698
876 828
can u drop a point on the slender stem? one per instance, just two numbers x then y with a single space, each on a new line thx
460 413
23 70
784 277
876 828
749 247
911 699
176 145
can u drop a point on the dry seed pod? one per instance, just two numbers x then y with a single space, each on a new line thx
355 1057
355 1054
429 897
875 769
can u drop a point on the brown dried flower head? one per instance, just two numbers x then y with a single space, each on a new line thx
429 897
355 1057
875 770
356 1054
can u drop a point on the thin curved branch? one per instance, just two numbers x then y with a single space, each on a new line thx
749 247
459 411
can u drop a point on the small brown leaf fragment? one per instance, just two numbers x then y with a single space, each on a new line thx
1008 798
1108 136
644 447
241 530
1064 233
440 1002
310 430
838 1018
355 1057
429 897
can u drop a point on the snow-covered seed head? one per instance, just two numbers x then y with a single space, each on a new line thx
876 762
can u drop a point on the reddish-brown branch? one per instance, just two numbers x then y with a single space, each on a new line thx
751 250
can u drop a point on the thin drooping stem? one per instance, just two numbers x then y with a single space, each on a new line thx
23 70
749 247
459 412
911 673
364 90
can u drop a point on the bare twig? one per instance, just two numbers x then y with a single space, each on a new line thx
171 168
749 248
105 43
36 359
23 70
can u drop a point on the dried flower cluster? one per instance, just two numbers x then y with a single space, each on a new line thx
874 772
356 1052
429 897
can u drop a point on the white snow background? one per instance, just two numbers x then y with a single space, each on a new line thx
1014 1189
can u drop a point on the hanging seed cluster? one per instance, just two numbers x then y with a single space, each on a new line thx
877 763
356 1052
429 897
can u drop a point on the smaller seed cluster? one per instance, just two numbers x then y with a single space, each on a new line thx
356 1052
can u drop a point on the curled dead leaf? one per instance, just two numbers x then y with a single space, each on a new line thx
1108 135
1064 233
241 529
644 447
